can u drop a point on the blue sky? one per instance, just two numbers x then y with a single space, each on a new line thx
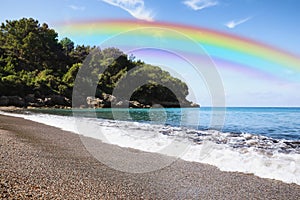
274 22
271 21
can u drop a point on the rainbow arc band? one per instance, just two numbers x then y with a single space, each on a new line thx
221 46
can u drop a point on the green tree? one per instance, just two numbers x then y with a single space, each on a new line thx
80 52
159 86
33 61
69 77
30 45
67 45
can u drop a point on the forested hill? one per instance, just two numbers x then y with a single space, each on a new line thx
36 69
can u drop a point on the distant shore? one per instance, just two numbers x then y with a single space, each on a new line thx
39 161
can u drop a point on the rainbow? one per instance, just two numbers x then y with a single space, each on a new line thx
245 52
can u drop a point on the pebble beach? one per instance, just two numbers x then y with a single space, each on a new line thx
43 162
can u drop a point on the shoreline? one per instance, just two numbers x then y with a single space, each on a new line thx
264 157
43 161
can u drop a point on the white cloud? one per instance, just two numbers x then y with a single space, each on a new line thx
234 23
200 4
74 7
135 7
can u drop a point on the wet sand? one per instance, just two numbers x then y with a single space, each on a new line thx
39 161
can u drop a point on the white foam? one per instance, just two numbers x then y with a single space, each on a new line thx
154 138
279 166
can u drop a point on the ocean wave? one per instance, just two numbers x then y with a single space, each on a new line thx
238 152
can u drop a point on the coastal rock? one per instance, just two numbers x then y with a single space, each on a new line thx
16 101
93 102
109 98
189 104
105 101
135 104
128 104
54 100
30 98
167 104
36 103
121 104
4 101
108 101
194 105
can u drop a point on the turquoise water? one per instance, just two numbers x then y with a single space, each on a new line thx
278 123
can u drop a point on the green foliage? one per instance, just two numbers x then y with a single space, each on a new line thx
31 45
159 85
43 82
70 76
33 61
79 53
67 45
11 85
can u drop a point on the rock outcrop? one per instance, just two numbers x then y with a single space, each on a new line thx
57 100
108 101
4 101
105 101
12 101
32 101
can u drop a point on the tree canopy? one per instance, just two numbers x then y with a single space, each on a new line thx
33 61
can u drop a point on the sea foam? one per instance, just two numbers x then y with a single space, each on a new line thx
259 155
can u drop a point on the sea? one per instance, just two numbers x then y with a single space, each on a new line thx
264 141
